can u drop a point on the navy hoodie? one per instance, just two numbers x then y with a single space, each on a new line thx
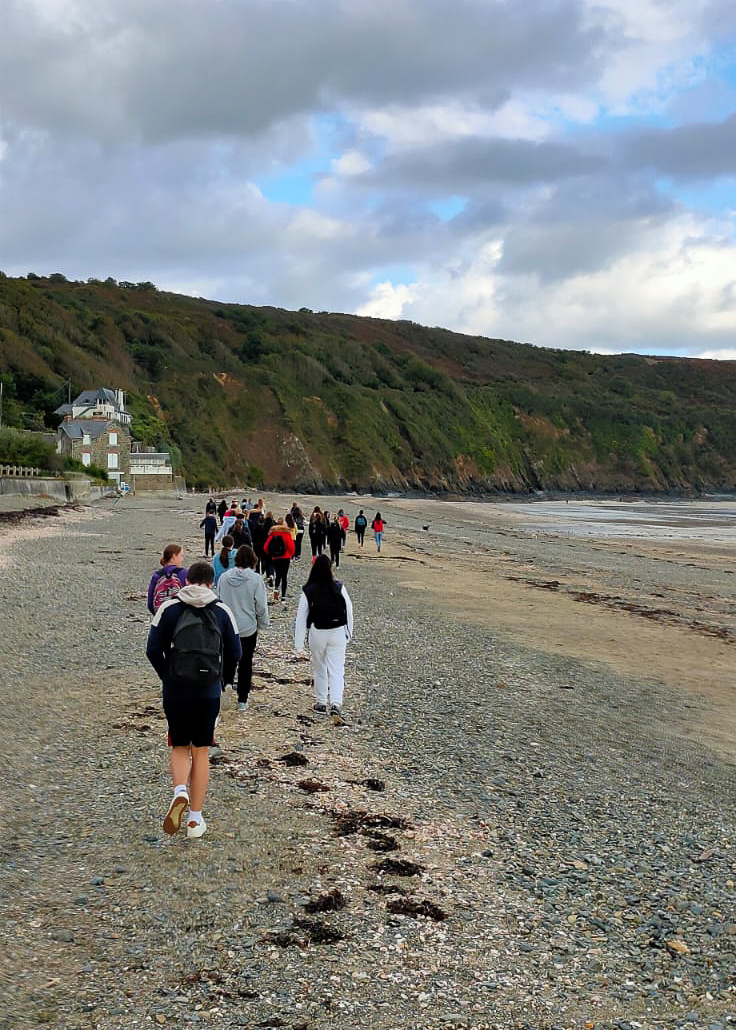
161 634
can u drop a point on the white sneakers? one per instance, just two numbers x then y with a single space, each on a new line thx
175 815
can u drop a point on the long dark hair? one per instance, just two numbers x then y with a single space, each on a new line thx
245 557
227 546
321 575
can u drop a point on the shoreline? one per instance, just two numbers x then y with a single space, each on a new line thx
565 845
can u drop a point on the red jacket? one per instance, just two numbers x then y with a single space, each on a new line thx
344 522
284 532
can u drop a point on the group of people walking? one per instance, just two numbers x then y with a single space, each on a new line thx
206 621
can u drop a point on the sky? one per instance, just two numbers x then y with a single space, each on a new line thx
559 172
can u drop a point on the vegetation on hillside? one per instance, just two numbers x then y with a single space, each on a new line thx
321 401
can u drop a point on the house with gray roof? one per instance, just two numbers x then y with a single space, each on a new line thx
95 430
102 403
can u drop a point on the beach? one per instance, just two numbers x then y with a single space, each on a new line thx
527 821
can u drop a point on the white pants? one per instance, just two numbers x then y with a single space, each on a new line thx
328 663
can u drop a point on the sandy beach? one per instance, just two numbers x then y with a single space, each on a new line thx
526 823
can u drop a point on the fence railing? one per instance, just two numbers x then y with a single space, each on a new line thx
20 471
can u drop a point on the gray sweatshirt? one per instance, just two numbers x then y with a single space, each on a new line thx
244 592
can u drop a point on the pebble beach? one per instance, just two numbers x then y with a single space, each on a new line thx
527 822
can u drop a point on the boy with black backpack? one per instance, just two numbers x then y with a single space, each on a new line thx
193 645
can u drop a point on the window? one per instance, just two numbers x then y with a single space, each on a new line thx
112 460
85 458
113 439
85 439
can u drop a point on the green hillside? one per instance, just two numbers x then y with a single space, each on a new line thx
329 401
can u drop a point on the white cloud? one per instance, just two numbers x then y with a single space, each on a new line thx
725 354
674 292
352 162
388 301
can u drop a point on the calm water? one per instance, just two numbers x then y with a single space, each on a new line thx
711 522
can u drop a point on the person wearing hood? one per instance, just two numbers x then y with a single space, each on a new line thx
194 646
244 592
279 549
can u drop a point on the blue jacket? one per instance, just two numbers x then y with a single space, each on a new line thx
161 633
219 567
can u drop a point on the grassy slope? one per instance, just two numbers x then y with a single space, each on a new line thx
329 400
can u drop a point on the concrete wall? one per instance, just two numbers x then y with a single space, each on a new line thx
62 490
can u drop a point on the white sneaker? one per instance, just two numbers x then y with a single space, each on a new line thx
196 829
175 814
242 706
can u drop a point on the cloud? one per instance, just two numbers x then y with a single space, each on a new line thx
526 170
109 71
690 151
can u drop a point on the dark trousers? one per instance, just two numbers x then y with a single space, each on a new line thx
335 556
298 546
281 567
360 533
209 544
317 545
245 666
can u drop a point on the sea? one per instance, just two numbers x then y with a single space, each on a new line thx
707 521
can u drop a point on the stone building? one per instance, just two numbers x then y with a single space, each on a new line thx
95 429
150 470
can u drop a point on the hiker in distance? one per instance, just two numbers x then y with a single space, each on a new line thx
360 525
244 592
279 550
336 539
209 524
194 646
325 617
378 526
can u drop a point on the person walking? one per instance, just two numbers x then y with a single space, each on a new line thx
253 516
360 525
343 520
193 645
378 526
244 593
221 509
279 549
336 540
210 507
169 579
209 523
298 516
316 532
225 559
325 617
240 533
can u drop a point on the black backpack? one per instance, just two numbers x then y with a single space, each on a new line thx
277 546
327 609
196 647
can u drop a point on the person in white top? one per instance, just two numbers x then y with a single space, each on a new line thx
325 615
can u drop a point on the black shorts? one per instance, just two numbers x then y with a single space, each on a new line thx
191 719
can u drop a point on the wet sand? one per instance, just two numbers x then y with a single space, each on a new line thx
655 602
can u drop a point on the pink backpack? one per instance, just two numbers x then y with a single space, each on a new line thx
167 585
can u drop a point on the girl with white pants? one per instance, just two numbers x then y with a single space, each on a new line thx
326 611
